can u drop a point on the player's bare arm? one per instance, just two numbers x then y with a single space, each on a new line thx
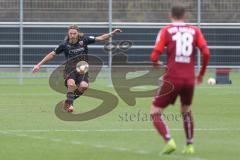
47 58
108 35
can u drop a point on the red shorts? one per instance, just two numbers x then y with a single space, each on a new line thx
170 89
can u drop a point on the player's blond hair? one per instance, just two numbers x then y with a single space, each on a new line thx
74 26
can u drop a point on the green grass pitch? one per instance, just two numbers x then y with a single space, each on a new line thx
29 128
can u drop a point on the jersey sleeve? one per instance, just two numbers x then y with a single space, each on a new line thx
89 39
159 45
201 41
202 45
59 49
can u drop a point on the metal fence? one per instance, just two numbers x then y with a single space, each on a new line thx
153 11
29 29
39 39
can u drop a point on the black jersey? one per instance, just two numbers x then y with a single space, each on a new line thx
72 50
75 52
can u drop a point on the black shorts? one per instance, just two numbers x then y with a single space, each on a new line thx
78 78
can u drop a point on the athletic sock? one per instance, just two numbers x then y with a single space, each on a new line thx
70 98
188 126
161 126
77 94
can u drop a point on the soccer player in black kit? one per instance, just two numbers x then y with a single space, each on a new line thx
75 48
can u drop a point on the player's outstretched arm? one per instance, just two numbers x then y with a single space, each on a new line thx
108 35
47 58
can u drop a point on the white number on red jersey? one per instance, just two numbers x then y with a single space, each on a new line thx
184 46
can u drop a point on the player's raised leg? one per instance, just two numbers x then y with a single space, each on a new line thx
188 128
83 86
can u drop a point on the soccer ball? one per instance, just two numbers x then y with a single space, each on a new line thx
82 67
211 81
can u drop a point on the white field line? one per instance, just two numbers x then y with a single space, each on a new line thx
74 142
112 130
96 146
29 94
200 87
141 87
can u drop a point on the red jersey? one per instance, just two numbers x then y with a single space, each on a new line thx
181 41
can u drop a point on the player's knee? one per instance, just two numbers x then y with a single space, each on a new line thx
186 108
71 83
154 109
83 86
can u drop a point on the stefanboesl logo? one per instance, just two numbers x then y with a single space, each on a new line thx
124 81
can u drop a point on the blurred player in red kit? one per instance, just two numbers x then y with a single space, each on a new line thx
181 41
